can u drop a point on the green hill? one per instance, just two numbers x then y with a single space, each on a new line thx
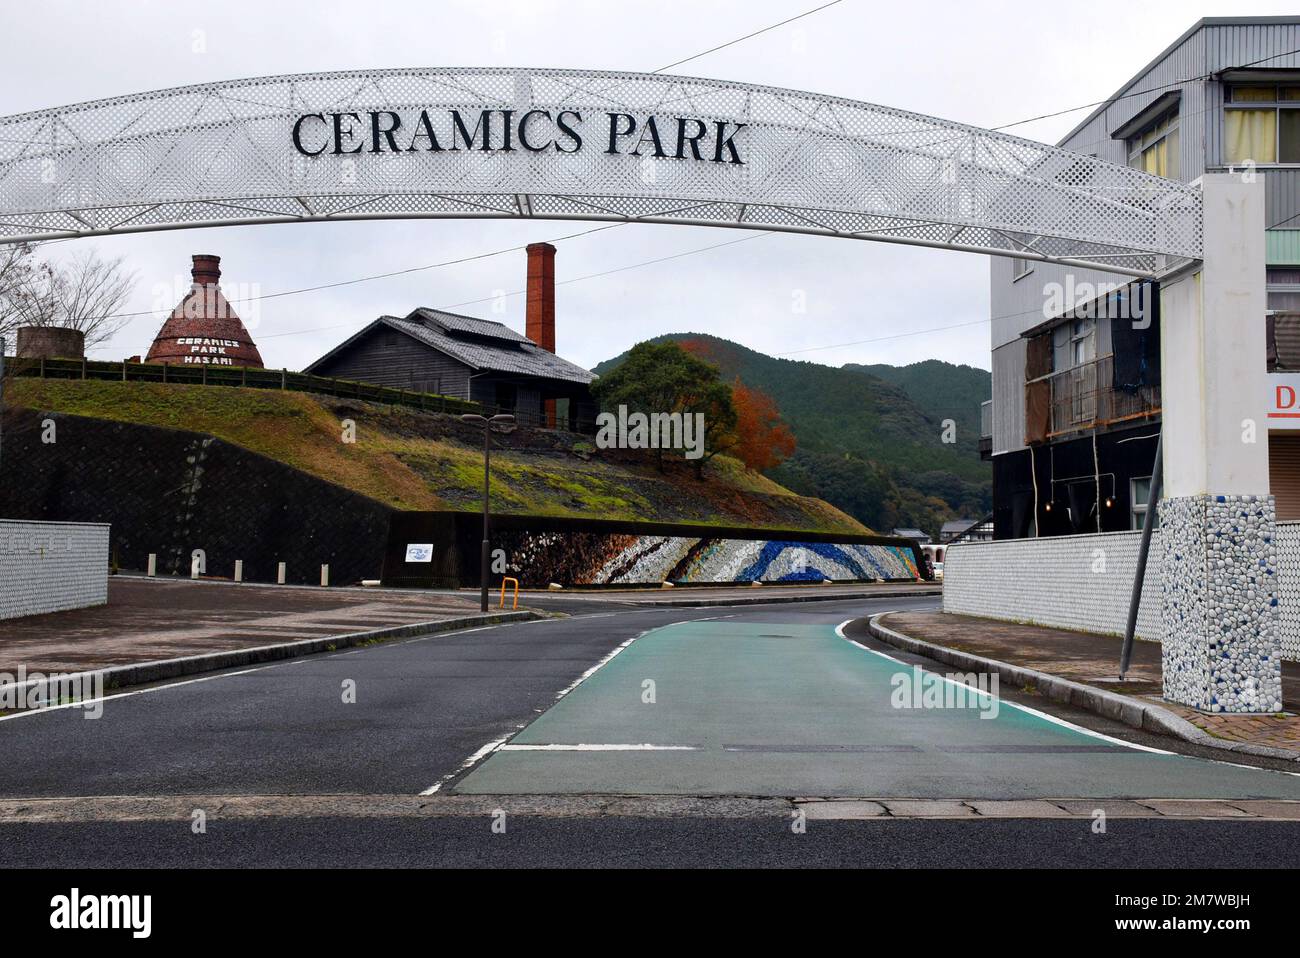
416 460
870 438
942 391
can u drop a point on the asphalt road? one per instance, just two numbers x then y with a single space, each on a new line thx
771 699
652 843
422 707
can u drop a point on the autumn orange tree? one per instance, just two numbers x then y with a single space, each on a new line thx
763 441
759 439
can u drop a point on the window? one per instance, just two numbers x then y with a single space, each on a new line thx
1020 268
1283 288
1261 124
1083 341
1155 150
1139 492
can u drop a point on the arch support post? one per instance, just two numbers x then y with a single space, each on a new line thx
1218 572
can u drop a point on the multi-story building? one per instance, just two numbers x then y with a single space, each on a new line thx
1072 424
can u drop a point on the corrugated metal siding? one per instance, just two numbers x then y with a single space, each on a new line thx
386 357
1281 196
1284 473
1015 307
1009 397
1283 247
1187 60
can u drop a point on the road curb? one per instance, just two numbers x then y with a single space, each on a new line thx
750 599
142 673
1122 708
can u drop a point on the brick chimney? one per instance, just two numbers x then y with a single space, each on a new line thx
540 323
206 269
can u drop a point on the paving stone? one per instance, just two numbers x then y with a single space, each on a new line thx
1019 809
1184 808
1261 808
841 810
1112 807
920 808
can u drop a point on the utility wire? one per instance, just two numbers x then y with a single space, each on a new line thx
512 249
564 282
1154 89
748 36
367 279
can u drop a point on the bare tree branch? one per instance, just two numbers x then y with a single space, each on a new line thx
15 265
86 294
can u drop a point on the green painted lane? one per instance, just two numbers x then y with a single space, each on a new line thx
711 707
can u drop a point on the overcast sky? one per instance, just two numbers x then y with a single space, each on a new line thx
981 63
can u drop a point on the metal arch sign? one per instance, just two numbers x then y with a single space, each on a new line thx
575 144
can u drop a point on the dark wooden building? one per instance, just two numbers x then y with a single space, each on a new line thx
476 359
466 358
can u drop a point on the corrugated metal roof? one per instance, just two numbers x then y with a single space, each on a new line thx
469 324
505 351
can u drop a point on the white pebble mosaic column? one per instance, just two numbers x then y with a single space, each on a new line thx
1218 579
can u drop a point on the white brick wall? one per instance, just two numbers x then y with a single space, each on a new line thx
1288 592
1072 582
51 566
1057 581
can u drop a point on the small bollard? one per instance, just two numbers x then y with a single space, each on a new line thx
239 570
279 575
324 576
153 564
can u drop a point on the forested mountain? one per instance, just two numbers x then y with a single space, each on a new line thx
870 439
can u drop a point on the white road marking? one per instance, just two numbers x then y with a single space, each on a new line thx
302 660
586 747
839 630
123 695
474 759
497 744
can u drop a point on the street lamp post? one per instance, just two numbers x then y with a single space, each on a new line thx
504 419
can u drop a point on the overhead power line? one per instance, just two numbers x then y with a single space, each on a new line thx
1154 89
748 36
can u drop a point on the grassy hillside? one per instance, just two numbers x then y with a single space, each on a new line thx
413 460
870 439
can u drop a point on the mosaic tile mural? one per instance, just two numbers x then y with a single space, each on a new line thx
581 558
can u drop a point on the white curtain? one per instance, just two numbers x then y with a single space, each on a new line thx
1250 135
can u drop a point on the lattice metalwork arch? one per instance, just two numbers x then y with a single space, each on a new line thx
222 153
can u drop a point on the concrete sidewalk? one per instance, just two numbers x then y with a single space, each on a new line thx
155 619
1093 660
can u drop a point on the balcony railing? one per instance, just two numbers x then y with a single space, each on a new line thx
1083 397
